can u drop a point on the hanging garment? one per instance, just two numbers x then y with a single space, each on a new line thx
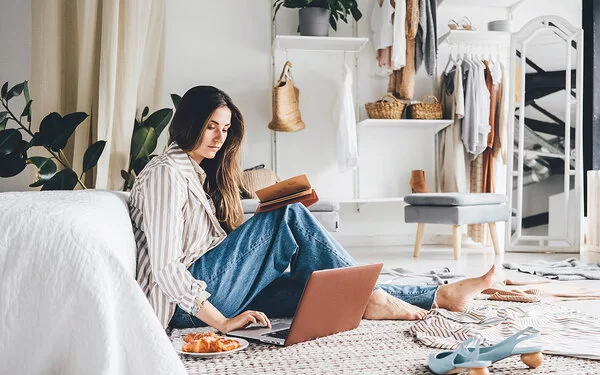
451 169
399 44
500 140
347 149
383 32
427 36
477 232
488 159
402 82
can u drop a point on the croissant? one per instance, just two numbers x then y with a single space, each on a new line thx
208 342
198 335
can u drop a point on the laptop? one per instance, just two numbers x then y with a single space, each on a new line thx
333 301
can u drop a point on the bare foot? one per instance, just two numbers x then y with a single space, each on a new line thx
457 296
383 306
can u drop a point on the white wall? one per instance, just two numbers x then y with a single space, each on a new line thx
228 44
15 67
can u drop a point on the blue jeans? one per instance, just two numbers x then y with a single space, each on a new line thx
247 271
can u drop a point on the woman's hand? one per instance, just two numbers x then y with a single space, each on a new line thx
244 319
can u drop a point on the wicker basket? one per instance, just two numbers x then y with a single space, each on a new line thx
426 110
385 109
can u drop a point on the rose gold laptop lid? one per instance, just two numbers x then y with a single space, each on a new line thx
333 301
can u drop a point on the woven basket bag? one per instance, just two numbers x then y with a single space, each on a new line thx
383 109
426 110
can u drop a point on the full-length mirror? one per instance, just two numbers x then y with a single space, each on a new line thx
545 154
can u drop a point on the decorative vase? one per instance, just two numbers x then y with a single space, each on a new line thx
314 21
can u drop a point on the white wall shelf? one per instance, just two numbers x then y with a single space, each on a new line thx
475 37
318 43
480 3
435 125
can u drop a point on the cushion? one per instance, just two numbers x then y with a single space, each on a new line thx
323 205
256 179
457 215
454 199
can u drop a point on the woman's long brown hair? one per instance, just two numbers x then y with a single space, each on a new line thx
223 172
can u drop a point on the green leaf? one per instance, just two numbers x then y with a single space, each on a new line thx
63 180
10 140
332 22
143 142
139 164
92 154
46 169
3 115
356 13
125 175
48 130
16 90
27 109
145 113
4 90
13 164
68 124
159 120
3 124
176 99
26 91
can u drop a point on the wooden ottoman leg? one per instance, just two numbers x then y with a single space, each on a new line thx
494 234
456 238
419 240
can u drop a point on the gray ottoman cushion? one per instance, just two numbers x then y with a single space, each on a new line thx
454 199
457 215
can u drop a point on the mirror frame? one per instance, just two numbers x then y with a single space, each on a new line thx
520 39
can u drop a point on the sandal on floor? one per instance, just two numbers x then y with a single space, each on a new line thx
531 356
461 359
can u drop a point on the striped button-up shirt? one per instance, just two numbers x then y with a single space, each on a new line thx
174 225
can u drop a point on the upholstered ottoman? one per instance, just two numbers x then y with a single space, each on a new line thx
455 209
325 211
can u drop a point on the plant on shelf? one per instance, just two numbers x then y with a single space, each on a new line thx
335 9
54 132
146 131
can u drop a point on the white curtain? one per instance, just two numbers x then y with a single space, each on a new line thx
102 57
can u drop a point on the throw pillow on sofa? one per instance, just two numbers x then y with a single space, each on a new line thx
256 178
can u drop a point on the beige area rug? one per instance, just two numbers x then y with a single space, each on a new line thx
375 347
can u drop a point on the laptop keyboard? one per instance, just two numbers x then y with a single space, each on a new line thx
279 334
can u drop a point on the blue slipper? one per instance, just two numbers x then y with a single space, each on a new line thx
530 355
460 359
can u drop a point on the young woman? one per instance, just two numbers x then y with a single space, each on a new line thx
199 265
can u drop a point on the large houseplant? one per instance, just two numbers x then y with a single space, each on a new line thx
144 139
335 10
54 132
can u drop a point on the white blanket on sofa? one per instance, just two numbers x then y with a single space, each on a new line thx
69 302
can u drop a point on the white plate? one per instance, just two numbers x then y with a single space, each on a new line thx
178 344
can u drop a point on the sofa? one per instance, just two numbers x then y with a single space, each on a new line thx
69 301
326 211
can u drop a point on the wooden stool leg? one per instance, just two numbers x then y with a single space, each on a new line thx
494 234
419 240
456 238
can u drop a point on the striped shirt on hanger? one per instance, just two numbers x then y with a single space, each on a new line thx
174 225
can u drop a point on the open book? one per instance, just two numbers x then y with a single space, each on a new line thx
292 190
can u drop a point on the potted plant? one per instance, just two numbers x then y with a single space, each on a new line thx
317 15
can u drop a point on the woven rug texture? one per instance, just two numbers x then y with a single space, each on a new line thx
375 347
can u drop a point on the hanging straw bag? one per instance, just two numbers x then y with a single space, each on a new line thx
383 109
286 111
425 110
